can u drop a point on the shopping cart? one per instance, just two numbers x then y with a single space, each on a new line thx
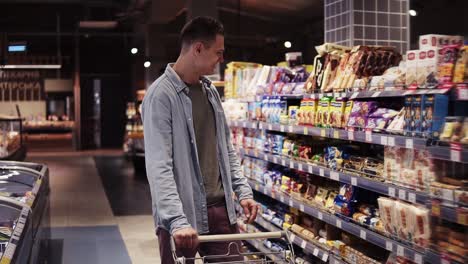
233 250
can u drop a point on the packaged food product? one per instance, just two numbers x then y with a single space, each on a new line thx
416 115
408 115
347 112
464 139
447 64
337 109
438 41
453 129
422 232
322 114
357 122
412 69
321 196
461 67
435 109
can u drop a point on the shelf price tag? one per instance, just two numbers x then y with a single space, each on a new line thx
281 198
368 136
306 130
253 125
391 192
351 135
354 181
320 215
409 143
291 203
303 244
270 127
354 95
376 94
338 223
363 234
391 141
389 245
309 169
455 152
244 124
260 125
418 258
299 166
334 176
322 172
336 134
383 140
290 129
412 197
281 128
322 133
273 195
316 251
283 163
265 157
257 186
402 194
291 164
400 251
325 257
275 160
301 207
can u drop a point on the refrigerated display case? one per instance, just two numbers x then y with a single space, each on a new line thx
11 138
24 212
134 147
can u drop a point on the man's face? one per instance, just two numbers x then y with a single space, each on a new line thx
210 56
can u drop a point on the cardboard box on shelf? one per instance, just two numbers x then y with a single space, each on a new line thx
438 41
411 68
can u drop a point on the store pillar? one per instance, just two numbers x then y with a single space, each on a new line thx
368 22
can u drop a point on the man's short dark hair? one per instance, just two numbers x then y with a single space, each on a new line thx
202 29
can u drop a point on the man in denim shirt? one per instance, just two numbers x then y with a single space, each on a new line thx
193 170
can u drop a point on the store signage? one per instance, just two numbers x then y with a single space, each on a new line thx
21 85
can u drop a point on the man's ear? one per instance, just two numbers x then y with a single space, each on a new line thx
197 47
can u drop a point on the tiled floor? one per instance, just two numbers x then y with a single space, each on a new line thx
84 227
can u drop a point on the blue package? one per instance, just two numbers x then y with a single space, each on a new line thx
434 111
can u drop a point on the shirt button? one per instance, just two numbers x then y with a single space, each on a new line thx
190 119
191 141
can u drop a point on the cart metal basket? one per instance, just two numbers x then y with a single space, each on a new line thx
233 250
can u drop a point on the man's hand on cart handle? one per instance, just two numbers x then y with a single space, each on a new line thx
250 209
186 238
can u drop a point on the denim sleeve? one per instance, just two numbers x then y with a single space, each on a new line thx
157 123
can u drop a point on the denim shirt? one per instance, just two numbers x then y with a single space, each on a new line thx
172 165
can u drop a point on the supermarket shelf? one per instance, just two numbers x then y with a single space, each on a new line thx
365 183
377 94
243 124
447 153
363 233
454 215
308 247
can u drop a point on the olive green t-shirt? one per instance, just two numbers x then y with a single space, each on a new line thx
205 134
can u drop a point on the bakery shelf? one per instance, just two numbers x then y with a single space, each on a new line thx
354 229
307 246
362 182
457 215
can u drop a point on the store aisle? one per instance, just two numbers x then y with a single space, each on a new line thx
85 227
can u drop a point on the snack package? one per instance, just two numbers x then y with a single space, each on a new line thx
337 109
388 215
438 41
422 232
347 112
405 220
461 67
416 115
311 112
357 122
408 115
435 109
421 68
321 196
338 80
363 108
292 114
322 114
447 64
397 125
376 123
453 128
412 69
429 68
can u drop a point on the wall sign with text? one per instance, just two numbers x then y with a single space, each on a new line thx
21 85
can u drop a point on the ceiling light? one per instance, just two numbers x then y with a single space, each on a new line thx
147 64
134 50
287 44
413 12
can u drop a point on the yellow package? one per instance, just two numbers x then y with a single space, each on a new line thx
312 109
347 113
337 109
461 68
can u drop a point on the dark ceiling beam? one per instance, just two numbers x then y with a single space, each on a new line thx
246 14
69 34
91 3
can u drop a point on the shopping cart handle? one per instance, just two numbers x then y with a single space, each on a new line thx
235 237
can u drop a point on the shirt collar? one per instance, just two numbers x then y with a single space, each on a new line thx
181 85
